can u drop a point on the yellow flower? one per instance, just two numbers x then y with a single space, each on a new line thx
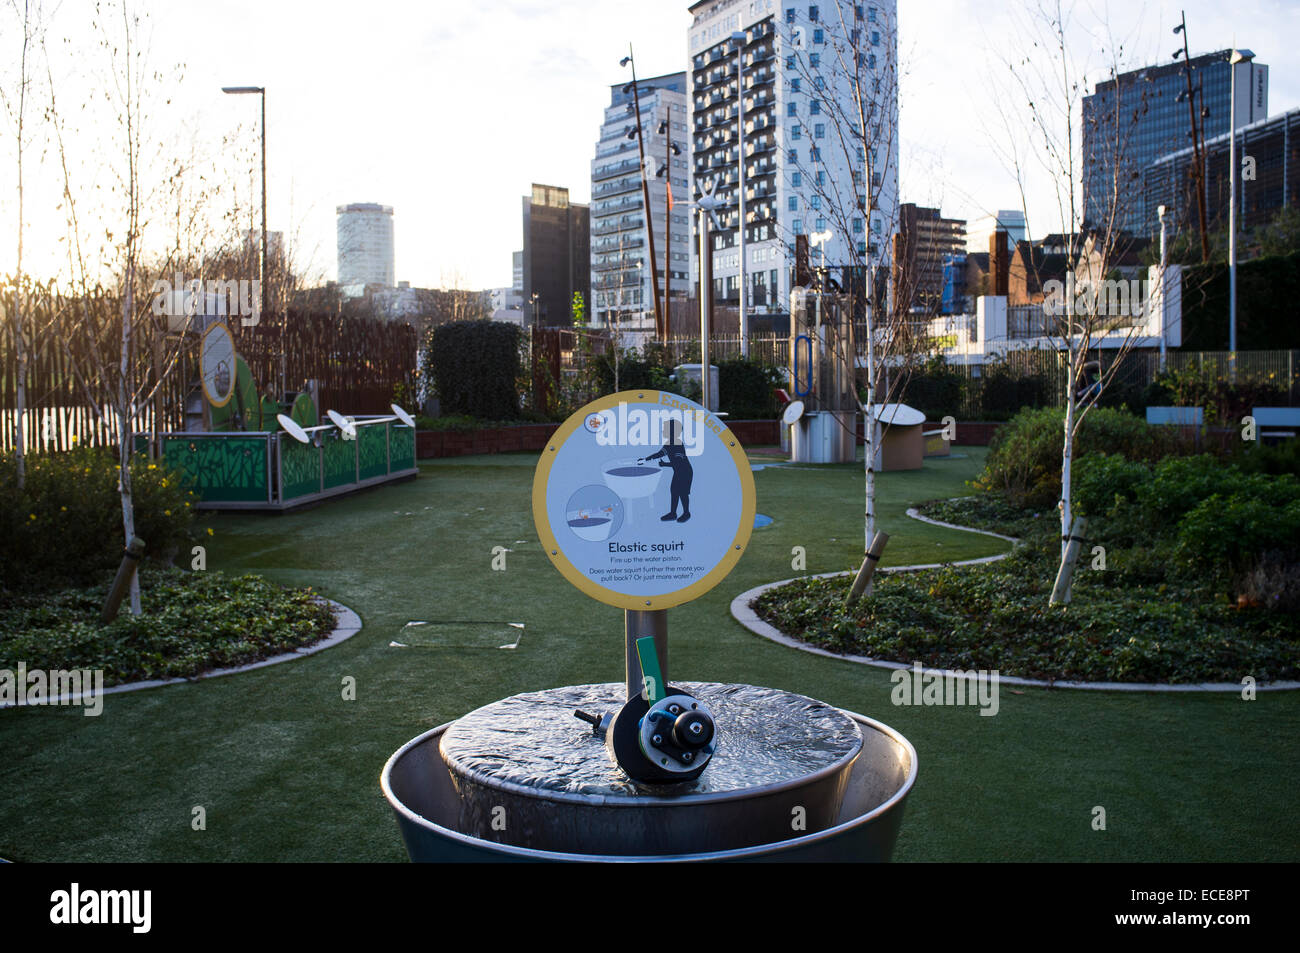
153 466
164 483
167 512
209 528
63 509
33 516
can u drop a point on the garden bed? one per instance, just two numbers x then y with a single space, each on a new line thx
192 622
996 616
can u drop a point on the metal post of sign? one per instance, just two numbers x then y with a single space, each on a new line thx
638 625
706 307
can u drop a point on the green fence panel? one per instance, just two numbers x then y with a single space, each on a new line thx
224 469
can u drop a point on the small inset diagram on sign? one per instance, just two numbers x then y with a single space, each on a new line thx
594 513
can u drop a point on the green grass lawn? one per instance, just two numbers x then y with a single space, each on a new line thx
287 770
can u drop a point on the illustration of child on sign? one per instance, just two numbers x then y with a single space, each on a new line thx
673 455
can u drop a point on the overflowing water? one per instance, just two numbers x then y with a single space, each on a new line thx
765 737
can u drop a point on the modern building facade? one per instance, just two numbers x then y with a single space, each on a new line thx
978 230
557 253
622 295
812 161
1267 183
1138 116
365 245
924 241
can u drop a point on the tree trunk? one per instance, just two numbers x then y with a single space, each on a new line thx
124 432
1067 454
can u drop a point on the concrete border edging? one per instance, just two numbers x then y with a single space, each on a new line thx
347 625
746 616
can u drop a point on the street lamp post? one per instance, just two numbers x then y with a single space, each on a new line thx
738 39
1238 56
670 149
1164 260
645 184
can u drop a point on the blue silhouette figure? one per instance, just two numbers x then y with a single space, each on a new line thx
673 454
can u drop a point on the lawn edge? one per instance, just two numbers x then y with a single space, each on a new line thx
746 616
347 625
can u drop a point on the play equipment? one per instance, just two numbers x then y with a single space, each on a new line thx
242 449
649 769
822 430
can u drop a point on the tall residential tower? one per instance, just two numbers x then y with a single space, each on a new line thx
622 295
817 157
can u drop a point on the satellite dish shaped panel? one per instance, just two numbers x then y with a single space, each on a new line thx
292 428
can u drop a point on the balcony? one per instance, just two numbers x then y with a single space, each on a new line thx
612 171
614 188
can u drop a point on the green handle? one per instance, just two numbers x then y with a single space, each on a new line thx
652 679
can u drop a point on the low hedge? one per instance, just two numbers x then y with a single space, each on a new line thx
65 526
192 622
996 616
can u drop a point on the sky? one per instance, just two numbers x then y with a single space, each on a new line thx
449 111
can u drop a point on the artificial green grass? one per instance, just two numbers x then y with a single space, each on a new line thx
286 769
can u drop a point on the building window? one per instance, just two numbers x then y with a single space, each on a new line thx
793 204
819 83
857 10
821 224
857 225
798 226
819 35
816 154
791 109
821 177
794 85
795 131
812 14
789 62
862 248
815 202
871 14
853 37
815 107
819 131
875 37
789 14
796 179
815 59
793 157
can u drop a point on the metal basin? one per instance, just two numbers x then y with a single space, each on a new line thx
429 807
631 480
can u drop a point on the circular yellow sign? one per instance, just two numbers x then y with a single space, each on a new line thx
217 365
604 479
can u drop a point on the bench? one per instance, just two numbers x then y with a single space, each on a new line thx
1283 421
1176 416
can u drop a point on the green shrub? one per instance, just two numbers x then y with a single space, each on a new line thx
1223 536
745 389
192 622
475 368
936 390
1103 480
65 526
1223 402
1024 458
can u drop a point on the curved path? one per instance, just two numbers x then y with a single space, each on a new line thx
741 611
